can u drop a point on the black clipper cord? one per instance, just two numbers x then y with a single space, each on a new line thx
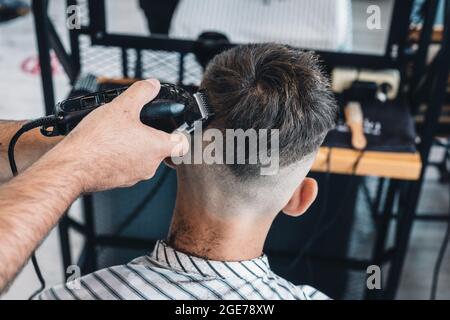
12 162
172 107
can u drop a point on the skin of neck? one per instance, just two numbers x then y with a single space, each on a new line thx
218 217
205 225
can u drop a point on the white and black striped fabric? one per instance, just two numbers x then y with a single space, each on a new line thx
170 274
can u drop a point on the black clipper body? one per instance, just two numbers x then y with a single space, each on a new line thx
172 109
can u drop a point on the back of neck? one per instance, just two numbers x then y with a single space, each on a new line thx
201 233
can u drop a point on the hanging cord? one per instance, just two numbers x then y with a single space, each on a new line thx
49 120
445 241
321 215
139 208
440 257
347 193
134 214
318 233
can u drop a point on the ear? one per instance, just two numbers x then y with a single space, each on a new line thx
303 197
168 162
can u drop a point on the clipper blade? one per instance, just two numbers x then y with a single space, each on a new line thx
204 106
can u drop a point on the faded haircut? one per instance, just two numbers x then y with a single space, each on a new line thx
271 86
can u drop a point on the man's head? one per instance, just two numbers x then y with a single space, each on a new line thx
263 86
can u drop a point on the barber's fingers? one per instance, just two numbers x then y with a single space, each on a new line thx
168 145
137 95
177 146
133 99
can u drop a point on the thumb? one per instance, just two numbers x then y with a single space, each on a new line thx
175 145
139 94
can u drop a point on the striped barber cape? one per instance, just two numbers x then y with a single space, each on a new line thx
170 274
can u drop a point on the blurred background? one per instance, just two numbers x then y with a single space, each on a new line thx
394 215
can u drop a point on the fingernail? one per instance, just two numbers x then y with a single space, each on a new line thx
153 82
181 144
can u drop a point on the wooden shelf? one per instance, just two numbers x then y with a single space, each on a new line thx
404 166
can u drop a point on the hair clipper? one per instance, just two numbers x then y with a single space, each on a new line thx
172 109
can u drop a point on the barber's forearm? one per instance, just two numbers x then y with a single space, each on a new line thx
30 147
30 205
110 148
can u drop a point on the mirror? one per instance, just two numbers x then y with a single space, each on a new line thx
358 26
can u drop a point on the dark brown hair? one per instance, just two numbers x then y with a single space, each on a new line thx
272 86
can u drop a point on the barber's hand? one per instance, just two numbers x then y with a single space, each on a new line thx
113 148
